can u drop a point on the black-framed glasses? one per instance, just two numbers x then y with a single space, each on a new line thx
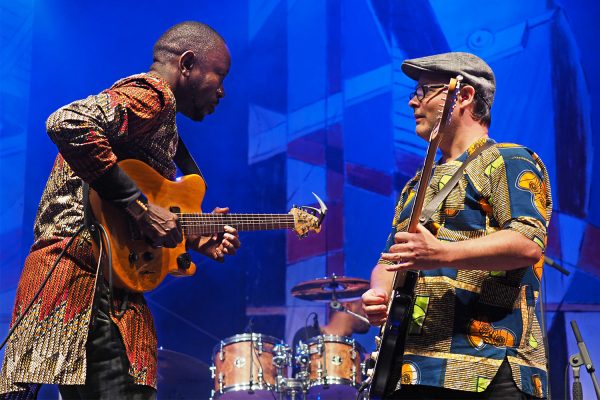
422 90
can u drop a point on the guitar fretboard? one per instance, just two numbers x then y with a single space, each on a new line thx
205 224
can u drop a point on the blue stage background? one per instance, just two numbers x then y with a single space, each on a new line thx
315 102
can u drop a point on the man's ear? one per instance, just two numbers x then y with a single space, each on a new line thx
186 62
466 95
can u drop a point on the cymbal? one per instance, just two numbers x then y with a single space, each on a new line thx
181 376
324 289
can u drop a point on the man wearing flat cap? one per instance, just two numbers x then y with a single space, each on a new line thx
474 332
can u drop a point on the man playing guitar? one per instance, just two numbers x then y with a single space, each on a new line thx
109 351
473 331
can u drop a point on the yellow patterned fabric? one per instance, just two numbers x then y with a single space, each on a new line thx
466 322
135 118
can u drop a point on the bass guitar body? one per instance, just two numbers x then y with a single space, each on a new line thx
386 372
136 265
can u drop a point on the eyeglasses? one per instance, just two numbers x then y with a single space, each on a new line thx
422 90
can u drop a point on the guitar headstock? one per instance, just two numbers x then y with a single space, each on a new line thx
307 218
450 102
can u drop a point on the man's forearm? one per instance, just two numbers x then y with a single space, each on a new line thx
382 279
502 250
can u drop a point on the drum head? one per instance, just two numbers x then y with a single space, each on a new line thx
330 339
336 339
246 337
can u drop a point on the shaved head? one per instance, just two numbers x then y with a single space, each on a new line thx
189 35
194 60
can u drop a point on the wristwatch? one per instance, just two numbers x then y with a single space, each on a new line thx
138 207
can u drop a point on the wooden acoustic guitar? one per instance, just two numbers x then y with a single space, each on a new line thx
139 267
386 371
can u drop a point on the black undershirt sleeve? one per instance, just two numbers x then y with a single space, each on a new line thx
117 187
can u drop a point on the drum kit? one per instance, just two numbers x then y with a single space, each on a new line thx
256 366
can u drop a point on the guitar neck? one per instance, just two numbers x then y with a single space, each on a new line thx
434 142
206 224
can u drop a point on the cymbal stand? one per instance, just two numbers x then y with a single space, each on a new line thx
337 306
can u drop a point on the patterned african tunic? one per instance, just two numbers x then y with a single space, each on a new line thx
135 118
466 322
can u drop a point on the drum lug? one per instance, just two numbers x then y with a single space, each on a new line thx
222 353
319 370
212 371
353 375
221 382
260 375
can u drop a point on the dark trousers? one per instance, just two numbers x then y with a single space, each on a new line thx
502 387
107 374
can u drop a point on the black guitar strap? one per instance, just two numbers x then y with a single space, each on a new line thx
184 160
432 206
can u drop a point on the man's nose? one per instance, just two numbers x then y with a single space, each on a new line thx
413 102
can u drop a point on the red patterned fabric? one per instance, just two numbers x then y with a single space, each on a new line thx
135 118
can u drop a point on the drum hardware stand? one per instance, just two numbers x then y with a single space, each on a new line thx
579 359
280 360
251 379
336 305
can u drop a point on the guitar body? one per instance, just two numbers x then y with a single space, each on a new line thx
387 371
136 265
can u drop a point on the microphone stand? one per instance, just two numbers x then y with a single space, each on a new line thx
579 359
549 261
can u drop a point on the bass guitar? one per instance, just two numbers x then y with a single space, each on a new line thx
385 373
139 267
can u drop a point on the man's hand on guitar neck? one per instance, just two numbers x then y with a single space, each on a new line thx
218 245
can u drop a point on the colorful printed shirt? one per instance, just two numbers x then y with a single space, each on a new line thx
466 322
135 118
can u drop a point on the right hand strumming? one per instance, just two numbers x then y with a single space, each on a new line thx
159 226
375 304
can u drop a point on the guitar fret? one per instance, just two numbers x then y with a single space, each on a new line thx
199 223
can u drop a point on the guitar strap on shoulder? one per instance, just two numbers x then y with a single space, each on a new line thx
430 209
184 160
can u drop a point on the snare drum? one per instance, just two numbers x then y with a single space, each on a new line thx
249 363
334 370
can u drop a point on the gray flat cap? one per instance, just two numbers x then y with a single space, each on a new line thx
476 72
